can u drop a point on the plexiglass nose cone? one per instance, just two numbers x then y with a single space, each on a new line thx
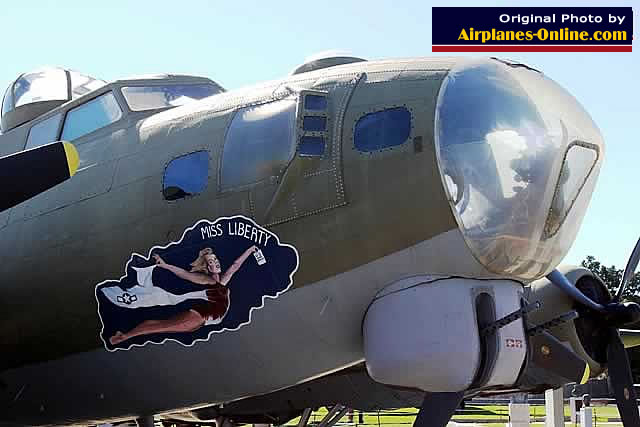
519 158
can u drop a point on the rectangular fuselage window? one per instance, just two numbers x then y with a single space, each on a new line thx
91 116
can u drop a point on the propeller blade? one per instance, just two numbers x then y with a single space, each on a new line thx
629 270
29 173
561 282
622 381
630 338
437 409
554 357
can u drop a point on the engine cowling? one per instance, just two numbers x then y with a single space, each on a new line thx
425 333
581 334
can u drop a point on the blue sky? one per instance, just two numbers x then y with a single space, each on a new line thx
242 42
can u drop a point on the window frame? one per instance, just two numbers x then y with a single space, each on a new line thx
547 233
79 102
7 96
303 112
381 150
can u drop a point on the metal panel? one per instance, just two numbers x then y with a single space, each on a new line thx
313 184
85 184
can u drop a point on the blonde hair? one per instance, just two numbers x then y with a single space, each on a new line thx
200 263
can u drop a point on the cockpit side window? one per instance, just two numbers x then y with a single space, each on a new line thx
91 116
259 144
44 132
142 98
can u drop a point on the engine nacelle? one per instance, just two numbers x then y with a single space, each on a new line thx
424 332
575 334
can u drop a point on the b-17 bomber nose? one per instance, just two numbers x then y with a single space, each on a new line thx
519 158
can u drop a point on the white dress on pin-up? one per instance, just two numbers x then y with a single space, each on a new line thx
146 294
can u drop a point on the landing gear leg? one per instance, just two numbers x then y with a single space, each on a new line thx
145 421
333 416
224 422
437 409
304 418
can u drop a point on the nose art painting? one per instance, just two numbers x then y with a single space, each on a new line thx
208 282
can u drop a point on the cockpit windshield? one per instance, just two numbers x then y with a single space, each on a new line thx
518 158
142 98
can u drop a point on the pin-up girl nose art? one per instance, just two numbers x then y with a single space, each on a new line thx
207 282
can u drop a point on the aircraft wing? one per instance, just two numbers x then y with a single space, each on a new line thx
29 173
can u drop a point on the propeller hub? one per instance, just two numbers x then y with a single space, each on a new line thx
620 314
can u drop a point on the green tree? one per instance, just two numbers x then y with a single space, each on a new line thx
611 277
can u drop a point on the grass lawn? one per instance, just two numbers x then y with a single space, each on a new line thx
489 416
